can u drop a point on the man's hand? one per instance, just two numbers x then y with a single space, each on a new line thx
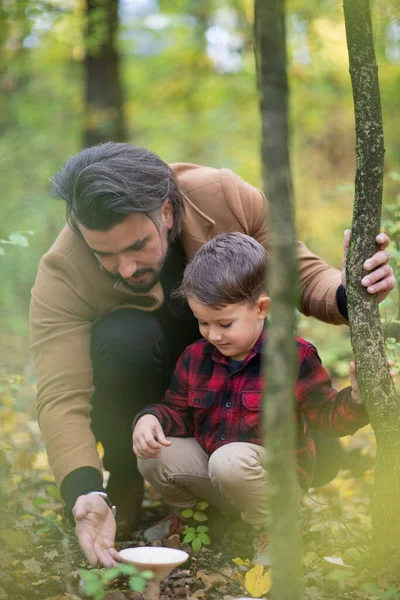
380 280
95 530
148 437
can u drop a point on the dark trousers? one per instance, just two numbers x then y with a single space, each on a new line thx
133 355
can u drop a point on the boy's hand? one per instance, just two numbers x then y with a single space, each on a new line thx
355 390
380 279
148 437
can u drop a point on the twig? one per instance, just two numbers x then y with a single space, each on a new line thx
332 509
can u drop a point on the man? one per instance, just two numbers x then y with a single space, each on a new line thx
105 331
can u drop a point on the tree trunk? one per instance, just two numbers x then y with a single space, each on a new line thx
280 361
367 339
104 106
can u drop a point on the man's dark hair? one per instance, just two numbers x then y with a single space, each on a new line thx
229 269
104 184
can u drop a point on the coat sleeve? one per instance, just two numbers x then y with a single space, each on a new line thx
318 282
61 322
335 413
174 412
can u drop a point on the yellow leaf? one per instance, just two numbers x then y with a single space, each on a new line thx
41 463
242 563
7 401
8 420
23 460
369 476
240 578
100 450
257 582
309 558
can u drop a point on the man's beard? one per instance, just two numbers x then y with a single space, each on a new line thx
145 286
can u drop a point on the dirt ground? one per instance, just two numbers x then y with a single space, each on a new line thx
40 559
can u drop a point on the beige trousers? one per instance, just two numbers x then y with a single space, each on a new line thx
232 478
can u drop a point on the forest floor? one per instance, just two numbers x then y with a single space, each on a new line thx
40 558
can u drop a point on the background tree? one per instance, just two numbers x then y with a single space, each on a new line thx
104 106
367 339
280 359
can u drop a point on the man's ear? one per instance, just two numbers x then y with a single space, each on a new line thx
263 306
167 214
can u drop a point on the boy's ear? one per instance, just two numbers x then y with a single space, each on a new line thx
263 306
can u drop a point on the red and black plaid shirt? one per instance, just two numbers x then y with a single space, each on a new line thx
214 403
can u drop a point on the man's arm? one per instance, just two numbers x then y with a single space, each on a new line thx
321 287
61 322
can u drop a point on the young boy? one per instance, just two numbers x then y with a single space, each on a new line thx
212 411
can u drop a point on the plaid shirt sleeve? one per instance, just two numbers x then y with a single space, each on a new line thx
335 413
174 413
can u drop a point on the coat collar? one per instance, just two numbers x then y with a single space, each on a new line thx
217 356
199 225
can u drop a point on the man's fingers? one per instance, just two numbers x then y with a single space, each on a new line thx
385 286
381 274
378 259
346 240
86 544
115 555
103 556
383 240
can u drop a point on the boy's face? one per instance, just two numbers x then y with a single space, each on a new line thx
233 329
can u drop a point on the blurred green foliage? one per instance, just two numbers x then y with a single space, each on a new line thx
190 95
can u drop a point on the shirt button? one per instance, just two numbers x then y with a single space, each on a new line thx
197 400
222 437
228 404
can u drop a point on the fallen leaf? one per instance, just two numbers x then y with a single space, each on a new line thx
241 563
336 560
257 582
51 555
198 595
32 565
41 463
309 558
210 580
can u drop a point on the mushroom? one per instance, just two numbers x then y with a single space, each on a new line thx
160 561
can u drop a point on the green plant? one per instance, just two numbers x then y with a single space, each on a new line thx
17 238
195 534
94 582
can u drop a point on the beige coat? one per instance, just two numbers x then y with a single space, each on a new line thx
71 293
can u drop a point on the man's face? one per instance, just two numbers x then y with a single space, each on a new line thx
233 329
134 250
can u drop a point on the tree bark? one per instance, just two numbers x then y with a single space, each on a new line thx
280 361
104 102
367 339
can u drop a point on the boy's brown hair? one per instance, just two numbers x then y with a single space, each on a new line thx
229 269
